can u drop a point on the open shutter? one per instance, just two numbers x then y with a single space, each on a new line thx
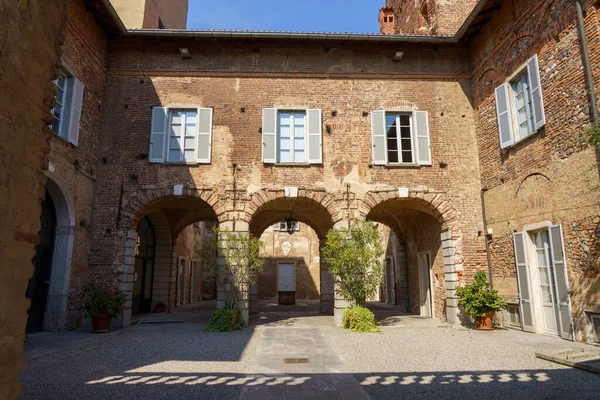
562 282
533 70
204 142
378 135
157 134
269 135
423 150
504 117
527 321
315 147
75 115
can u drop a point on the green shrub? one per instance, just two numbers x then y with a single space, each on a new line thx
222 320
359 319
478 299
100 301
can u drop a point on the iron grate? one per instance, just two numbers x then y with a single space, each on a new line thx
296 361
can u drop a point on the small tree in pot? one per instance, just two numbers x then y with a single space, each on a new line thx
480 302
102 306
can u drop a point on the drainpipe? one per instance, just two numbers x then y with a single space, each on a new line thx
487 239
585 55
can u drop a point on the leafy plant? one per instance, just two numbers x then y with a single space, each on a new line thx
222 320
354 257
359 319
591 136
100 301
241 261
478 299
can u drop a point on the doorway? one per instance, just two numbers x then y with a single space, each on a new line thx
144 268
286 283
39 284
425 292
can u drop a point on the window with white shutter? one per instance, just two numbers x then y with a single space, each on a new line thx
68 107
520 106
400 138
181 135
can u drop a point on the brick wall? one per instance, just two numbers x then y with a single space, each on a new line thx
30 52
549 176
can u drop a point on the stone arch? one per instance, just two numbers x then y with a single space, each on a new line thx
429 220
204 203
315 208
56 317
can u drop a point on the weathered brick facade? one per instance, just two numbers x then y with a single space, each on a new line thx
550 176
28 62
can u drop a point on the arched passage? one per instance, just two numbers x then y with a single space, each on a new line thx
157 276
294 259
420 275
49 287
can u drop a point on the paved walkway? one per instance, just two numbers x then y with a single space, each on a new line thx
299 363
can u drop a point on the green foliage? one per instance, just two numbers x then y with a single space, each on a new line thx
100 301
222 320
359 319
478 299
242 261
354 257
591 135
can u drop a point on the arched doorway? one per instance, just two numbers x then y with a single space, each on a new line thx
144 268
39 284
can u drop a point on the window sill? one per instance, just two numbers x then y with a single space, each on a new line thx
524 141
398 166
179 164
63 139
287 164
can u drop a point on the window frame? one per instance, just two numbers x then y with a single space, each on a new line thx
183 135
62 128
520 77
292 137
399 150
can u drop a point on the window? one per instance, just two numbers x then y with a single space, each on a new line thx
282 226
520 106
67 111
400 138
181 135
292 136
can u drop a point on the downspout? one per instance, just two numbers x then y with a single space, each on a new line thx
487 238
585 55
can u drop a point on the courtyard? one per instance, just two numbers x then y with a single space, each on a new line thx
297 355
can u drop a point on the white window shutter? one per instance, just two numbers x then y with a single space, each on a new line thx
562 282
422 141
75 115
524 282
269 135
204 142
315 137
157 135
378 137
533 70
505 125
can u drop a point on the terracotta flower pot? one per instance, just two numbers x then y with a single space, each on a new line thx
235 318
485 323
101 323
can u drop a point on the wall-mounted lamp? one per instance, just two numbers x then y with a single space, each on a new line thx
398 56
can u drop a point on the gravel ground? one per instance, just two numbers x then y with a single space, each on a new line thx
454 363
166 361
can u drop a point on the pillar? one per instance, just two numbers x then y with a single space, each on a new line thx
127 277
450 277
326 305
339 304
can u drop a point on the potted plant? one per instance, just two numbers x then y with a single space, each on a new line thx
480 302
160 307
208 289
102 305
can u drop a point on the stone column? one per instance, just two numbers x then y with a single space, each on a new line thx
326 305
339 304
402 277
450 277
223 291
127 277
55 317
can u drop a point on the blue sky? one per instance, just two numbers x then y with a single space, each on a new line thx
358 16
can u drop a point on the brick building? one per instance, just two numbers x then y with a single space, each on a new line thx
477 103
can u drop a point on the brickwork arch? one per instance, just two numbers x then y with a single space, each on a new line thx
316 208
181 210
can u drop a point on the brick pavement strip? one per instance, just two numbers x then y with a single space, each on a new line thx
299 363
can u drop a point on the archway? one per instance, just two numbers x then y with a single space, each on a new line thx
418 258
293 272
49 287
